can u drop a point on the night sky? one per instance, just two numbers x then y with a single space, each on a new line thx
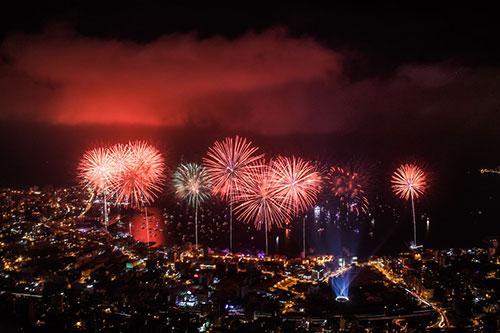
381 85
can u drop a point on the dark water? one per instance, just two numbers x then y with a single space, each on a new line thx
363 237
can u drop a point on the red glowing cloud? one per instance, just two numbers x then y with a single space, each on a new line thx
268 82
165 82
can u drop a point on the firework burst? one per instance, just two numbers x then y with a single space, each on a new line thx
297 181
260 201
97 169
141 177
121 155
227 163
348 186
408 181
192 184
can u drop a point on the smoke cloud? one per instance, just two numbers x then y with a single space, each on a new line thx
268 83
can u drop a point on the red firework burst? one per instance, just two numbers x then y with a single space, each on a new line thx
260 201
120 154
409 181
227 162
348 186
142 176
297 181
97 169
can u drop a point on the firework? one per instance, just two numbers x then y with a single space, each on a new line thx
409 182
227 162
121 155
131 173
260 201
297 181
97 169
141 174
348 186
192 184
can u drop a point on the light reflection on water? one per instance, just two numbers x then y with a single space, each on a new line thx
156 223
